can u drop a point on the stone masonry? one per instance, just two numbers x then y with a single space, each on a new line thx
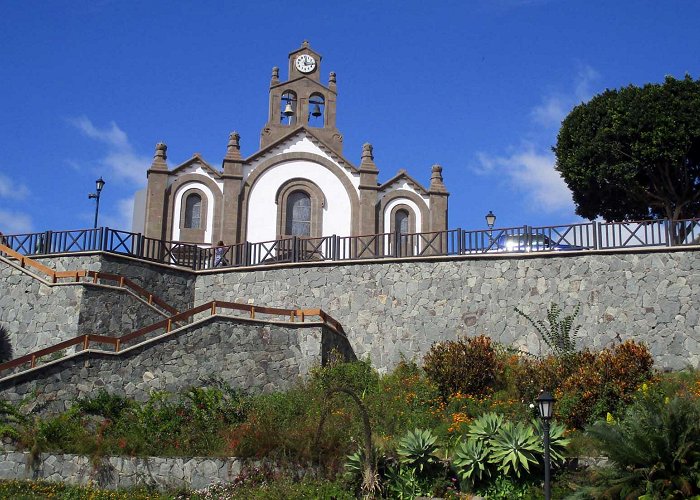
122 472
248 354
390 309
399 308
37 315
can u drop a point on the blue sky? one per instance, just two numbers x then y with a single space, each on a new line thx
87 88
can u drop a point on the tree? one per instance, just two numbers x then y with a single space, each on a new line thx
634 153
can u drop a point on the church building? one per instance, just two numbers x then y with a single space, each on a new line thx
298 183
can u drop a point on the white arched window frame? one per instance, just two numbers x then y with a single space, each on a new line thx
208 216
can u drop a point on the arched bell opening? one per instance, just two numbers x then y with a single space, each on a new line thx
288 107
317 111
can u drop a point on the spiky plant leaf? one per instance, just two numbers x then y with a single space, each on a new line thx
514 448
485 427
417 449
471 460
557 441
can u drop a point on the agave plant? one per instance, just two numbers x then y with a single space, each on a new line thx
485 427
557 441
417 449
471 460
514 448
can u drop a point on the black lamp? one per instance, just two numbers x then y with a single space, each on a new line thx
99 184
545 403
490 219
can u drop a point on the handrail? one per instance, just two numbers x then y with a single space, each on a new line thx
95 275
212 306
23 260
581 236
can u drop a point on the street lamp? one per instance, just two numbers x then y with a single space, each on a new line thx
545 403
490 221
99 184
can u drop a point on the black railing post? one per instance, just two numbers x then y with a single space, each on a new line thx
104 236
599 243
48 241
246 254
295 248
334 247
595 236
669 229
460 243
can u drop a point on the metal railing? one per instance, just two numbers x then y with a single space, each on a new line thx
167 325
581 237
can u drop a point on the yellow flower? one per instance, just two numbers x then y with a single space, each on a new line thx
609 418
666 400
645 388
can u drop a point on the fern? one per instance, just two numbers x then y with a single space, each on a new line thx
559 334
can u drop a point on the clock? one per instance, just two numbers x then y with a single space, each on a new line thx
305 63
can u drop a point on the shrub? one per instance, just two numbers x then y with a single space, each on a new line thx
655 447
406 400
468 366
104 404
5 345
358 376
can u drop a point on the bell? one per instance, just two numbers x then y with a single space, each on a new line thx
317 111
288 111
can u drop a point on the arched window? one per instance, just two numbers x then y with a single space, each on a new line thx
317 110
401 222
193 211
298 214
288 108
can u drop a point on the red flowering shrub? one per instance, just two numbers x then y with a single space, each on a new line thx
587 384
468 366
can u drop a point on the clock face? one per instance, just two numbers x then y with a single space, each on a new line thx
305 63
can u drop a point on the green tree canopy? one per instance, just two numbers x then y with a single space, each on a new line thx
634 153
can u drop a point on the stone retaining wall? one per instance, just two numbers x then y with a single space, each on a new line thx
37 315
122 472
247 354
390 309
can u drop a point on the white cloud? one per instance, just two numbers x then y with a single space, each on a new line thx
12 190
556 105
15 222
119 158
122 218
532 172
529 167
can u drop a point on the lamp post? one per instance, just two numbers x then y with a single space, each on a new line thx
490 221
545 403
99 184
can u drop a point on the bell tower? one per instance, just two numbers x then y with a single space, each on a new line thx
302 101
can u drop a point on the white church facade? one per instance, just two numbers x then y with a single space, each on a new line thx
297 184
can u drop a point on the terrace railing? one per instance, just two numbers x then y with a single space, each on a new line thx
165 326
582 236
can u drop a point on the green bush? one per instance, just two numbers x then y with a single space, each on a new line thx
467 366
655 447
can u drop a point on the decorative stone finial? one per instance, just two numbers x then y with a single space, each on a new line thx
367 162
275 75
305 44
436 183
233 149
159 157
161 149
331 77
